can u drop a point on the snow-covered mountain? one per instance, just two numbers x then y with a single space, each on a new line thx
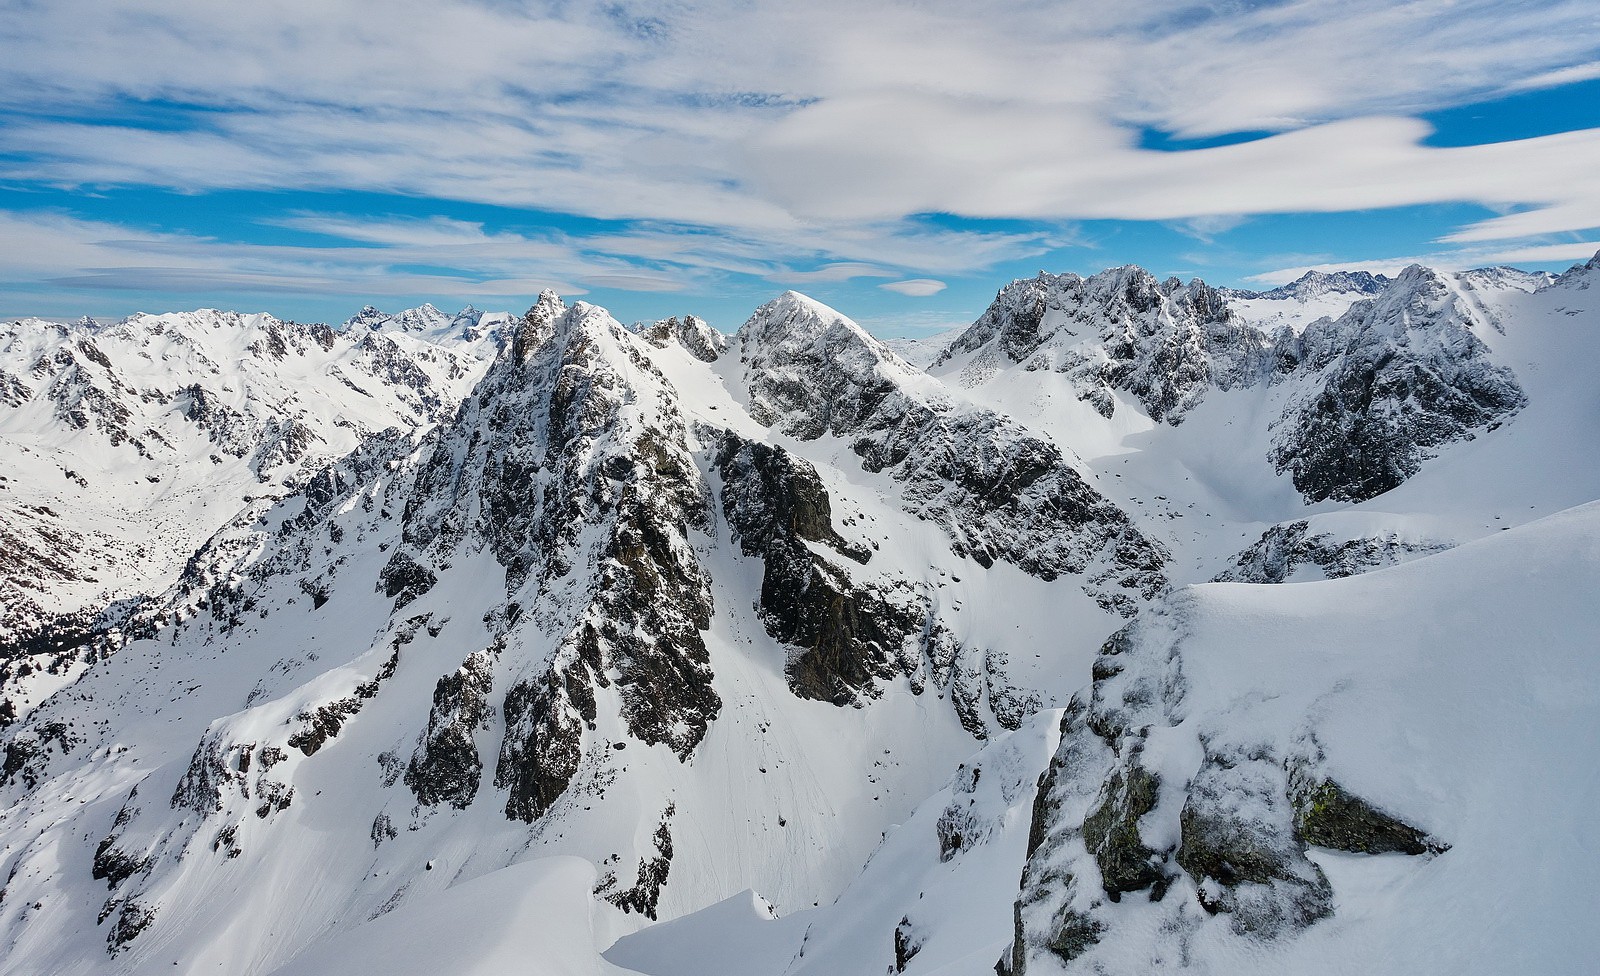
480 332
129 444
650 649
1314 295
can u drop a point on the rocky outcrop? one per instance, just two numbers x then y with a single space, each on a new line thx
1283 549
1374 393
845 635
1241 847
445 768
1389 382
1111 832
645 893
1227 836
571 474
1328 815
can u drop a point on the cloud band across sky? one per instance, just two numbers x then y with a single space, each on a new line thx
692 147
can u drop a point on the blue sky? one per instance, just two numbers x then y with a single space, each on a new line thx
897 160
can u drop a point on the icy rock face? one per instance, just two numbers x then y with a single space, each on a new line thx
846 637
1163 343
691 332
1392 380
998 492
1215 829
574 450
1283 549
846 634
445 767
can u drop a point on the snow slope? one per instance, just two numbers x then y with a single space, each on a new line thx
1456 693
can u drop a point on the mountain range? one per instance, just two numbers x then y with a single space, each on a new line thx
1139 627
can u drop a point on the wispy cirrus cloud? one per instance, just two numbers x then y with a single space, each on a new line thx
760 118
782 142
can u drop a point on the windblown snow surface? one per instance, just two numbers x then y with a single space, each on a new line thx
1148 628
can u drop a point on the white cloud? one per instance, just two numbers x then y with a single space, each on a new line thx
798 133
837 271
915 287
1561 76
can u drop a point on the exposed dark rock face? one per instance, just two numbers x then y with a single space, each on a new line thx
212 769
132 919
645 893
907 943
568 478
405 579
846 635
1395 377
221 770
1328 815
773 499
1111 832
445 767
322 724
112 864
1282 549
1376 392
543 743
1241 848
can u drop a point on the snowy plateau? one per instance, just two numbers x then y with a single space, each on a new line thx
1140 627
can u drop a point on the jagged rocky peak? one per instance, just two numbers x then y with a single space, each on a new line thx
998 492
1162 342
693 333
423 318
1502 278
812 371
1579 276
468 327
537 325
1391 380
1314 284
570 465
368 318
